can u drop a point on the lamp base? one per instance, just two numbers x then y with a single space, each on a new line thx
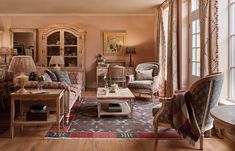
56 68
21 80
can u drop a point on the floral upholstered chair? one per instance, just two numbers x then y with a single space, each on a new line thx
145 79
202 96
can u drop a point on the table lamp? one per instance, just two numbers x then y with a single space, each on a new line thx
130 51
56 60
22 65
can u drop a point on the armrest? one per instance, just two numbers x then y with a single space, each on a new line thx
75 77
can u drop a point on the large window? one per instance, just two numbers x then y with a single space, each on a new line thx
195 38
232 49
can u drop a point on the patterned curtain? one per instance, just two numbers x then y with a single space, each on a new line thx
168 48
208 13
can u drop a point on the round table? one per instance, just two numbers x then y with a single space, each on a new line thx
224 117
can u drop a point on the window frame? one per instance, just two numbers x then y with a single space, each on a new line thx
231 35
193 16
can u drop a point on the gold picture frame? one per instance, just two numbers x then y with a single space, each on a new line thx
114 43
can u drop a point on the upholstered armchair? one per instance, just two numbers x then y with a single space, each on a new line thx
145 79
204 95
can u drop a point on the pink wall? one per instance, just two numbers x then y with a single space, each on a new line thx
140 34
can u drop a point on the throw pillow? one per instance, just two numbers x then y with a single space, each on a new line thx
33 76
52 75
144 74
63 77
46 77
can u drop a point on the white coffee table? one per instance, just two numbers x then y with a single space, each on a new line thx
122 96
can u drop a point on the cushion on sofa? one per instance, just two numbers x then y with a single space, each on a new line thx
144 74
62 76
46 77
52 75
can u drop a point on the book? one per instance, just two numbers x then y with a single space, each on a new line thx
114 108
38 108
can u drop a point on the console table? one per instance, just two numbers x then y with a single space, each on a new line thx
54 95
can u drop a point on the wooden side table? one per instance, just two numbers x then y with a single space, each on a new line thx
224 117
55 95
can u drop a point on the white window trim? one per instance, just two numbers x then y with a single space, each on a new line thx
230 52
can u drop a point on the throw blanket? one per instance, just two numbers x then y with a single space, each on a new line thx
183 117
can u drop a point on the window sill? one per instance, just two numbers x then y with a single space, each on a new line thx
226 102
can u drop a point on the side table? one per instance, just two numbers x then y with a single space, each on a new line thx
55 95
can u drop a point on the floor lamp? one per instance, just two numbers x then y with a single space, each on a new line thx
130 51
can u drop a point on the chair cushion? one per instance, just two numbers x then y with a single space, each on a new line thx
63 77
141 84
144 74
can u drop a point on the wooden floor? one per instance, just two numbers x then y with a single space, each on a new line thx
32 139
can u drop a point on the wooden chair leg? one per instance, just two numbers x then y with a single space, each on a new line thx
201 140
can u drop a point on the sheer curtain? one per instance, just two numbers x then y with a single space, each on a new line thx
168 47
209 36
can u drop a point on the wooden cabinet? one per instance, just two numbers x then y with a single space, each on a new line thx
63 40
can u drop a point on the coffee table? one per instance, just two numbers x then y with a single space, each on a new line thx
123 97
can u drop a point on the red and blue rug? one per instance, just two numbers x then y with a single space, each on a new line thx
84 123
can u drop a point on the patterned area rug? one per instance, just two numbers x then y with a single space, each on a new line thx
85 123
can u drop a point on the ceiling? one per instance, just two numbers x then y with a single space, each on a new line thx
10 7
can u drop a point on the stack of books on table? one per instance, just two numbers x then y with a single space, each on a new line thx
37 112
114 108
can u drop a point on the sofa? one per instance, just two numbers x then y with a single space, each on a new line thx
72 90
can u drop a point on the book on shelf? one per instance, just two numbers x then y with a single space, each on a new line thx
114 108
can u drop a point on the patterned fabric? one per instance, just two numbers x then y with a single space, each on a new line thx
46 77
46 84
183 117
144 74
62 76
52 75
141 84
85 123
75 77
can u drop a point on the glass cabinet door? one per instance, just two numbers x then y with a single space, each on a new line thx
70 49
53 45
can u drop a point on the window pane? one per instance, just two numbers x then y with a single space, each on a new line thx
233 50
198 55
194 40
198 26
194 5
198 69
194 27
232 1
194 66
232 13
198 40
194 54
233 84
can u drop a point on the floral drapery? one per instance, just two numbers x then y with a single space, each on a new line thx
168 49
208 14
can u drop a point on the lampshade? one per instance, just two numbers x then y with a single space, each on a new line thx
23 64
56 60
130 50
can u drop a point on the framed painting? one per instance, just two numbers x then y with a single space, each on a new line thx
114 43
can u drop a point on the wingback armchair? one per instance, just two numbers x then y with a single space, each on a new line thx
204 95
145 79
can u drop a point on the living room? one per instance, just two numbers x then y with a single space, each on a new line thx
94 24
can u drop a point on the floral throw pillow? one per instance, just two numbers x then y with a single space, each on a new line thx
144 74
63 76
